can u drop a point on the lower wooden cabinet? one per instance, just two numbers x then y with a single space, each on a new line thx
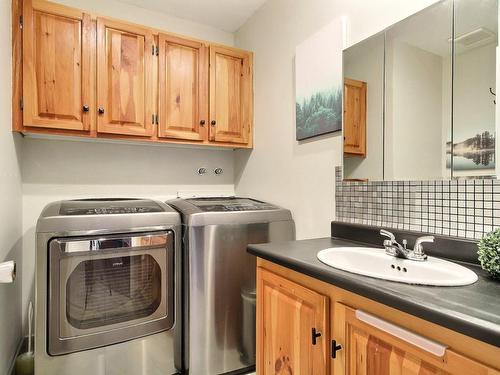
382 348
357 336
293 329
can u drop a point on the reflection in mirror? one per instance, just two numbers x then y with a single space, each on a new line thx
363 66
474 89
418 95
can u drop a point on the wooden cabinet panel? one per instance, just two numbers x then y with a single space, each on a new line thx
183 83
286 315
354 117
230 95
369 350
124 79
56 67
78 74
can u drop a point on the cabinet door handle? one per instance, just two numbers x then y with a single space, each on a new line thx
101 110
213 123
335 348
202 122
314 336
85 108
414 339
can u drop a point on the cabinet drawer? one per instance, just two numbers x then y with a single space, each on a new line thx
375 346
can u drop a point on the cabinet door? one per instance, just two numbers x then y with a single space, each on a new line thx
377 347
354 117
124 79
183 82
231 100
56 66
288 315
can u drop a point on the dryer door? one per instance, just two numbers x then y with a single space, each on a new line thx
104 290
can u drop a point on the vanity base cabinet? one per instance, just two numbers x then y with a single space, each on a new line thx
361 336
293 327
372 350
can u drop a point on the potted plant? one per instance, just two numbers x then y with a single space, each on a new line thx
489 253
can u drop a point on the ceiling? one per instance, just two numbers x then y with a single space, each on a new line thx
227 15
431 30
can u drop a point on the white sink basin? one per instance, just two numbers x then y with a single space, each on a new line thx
376 263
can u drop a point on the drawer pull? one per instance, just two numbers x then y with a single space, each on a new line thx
414 339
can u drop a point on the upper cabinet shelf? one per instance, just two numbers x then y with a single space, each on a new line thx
90 76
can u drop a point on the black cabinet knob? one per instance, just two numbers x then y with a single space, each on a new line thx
213 122
202 122
101 110
85 108
314 336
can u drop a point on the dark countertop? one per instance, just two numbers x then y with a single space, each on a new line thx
472 310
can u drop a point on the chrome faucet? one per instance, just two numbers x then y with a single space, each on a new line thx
393 248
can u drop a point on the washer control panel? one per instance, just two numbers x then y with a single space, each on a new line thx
108 207
230 204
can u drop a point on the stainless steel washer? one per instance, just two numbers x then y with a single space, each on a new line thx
108 288
219 278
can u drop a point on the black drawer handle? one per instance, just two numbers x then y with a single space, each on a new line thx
314 336
335 348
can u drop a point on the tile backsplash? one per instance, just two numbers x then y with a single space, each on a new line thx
463 208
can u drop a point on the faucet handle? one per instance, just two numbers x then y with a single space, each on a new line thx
418 248
386 233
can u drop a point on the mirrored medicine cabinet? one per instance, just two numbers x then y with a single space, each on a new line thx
420 96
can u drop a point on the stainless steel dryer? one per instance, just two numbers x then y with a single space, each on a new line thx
219 278
107 286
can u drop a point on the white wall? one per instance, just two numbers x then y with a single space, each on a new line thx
299 176
151 18
54 169
10 202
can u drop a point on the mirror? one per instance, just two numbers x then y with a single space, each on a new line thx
416 105
363 67
474 89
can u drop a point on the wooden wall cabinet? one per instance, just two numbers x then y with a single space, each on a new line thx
183 83
91 76
230 95
124 79
354 118
290 304
56 67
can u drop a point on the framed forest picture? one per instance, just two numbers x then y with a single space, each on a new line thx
318 82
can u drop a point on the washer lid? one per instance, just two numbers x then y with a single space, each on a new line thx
227 211
102 206
230 204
